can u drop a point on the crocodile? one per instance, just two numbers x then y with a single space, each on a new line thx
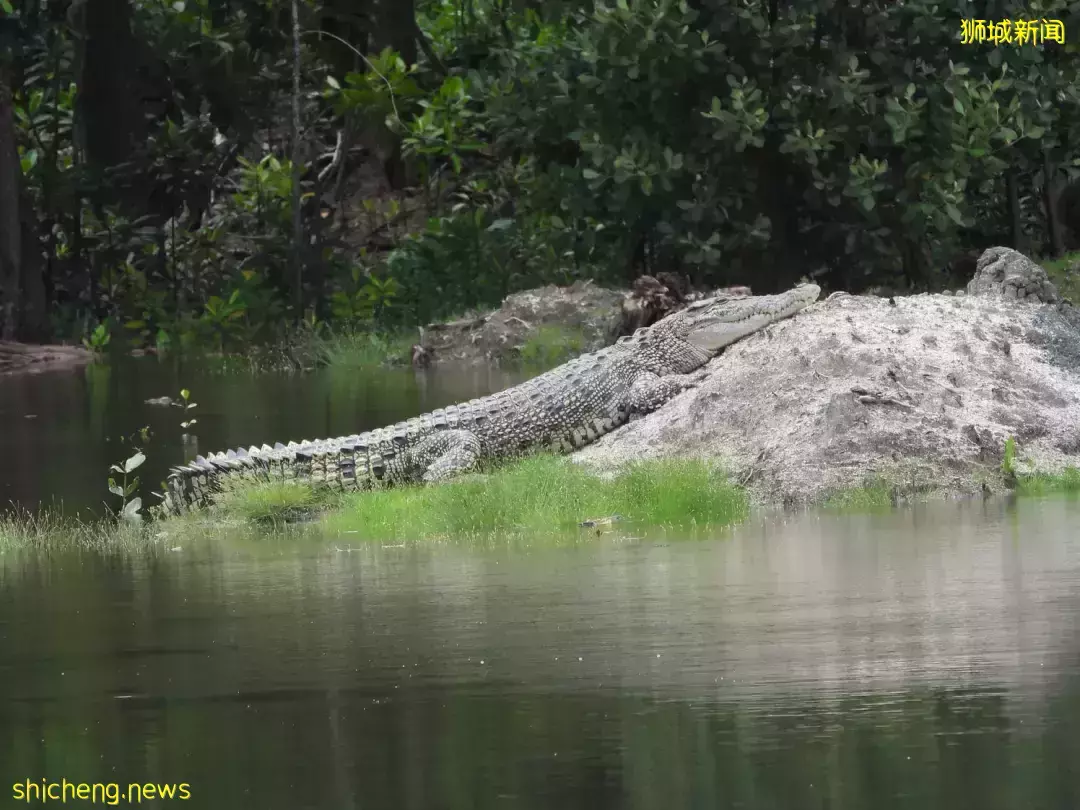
560 410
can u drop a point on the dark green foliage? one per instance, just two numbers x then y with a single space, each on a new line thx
860 144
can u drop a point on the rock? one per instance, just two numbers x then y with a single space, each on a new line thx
924 397
1009 273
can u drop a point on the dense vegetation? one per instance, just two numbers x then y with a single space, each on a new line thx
219 173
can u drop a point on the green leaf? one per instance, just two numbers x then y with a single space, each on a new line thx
590 174
134 462
115 489
131 509
958 105
954 214
6 7
500 224
330 80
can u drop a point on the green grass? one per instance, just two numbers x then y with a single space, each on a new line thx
549 346
1044 484
304 350
50 531
1065 273
875 494
364 350
273 503
543 494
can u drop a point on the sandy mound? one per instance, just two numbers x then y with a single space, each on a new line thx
923 392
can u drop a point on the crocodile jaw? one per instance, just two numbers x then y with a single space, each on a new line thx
718 322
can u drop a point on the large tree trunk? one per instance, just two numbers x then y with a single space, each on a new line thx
1016 229
295 257
1053 223
110 120
395 27
10 219
34 324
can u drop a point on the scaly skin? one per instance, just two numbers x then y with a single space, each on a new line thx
561 410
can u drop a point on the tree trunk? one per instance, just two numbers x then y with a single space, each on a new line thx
34 324
10 219
1016 229
110 119
297 222
1053 224
395 27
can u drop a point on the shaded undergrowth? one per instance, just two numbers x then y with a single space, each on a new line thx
1065 273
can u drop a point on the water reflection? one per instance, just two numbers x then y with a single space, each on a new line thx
925 659
62 428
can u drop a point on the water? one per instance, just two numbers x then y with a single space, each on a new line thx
927 658
62 429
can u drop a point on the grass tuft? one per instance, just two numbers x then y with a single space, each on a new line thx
51 531
544 494
273 503
364 350
1046 484
551 345
876 493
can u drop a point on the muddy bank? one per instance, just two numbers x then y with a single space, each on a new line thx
25 358
583 316
922 391
582 311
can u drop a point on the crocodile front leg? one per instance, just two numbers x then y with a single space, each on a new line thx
445 454
650 390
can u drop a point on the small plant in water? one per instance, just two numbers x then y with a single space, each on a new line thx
1008 461
129 506
185 395
99 338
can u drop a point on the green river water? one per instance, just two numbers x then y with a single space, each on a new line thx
924 658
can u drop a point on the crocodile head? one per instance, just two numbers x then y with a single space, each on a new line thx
714 323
